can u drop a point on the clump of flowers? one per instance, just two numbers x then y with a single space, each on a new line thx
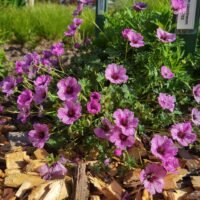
182 132
166 73
139 6
153 178
196 116
39 135
135 39
166 101
178 6
164 36
196 93
73 27
116 74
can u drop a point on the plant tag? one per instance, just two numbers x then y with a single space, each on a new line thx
101 7
187 21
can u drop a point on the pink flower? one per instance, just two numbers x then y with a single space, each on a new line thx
79 9
118 152
152 178
1 108
25 99
182 132
39 135
93 107
116 74
166 73
68 89
178 6
135 39
164 36
42 80
8 85
57 49
126 121
70 113
162 147
166 101
120 140
105 130
196 116
196 93
171 164
95 96
40 94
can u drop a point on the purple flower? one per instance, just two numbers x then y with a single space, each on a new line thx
23 114
40 94
95 96
93 107
178 6
106 161
47 54
196 116
121 140
39 135
116 74
136 39
152 178
118 152
57 49
105 130
56 171
8 85
182 132
71 30
126 121
162 147
19 65
79 9
25 99
166 73
68 88
164 36
139 6
70 113
77 45
171 164
42 80
1 108
77 22
166 101
196 93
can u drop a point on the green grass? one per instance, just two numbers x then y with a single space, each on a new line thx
48 21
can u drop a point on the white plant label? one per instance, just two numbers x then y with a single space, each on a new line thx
101 7
187 20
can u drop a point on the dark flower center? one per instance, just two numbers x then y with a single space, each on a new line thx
106 128
161 150
123 122
181 134
150 177
164 37
115 76
41 134
123 137
71 113
69 89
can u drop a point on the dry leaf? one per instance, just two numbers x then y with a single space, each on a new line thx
132 178
137 151
23 188
171 179
177 194
95 197
15 180
16 160
112 191
52 190
196 182
41 154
